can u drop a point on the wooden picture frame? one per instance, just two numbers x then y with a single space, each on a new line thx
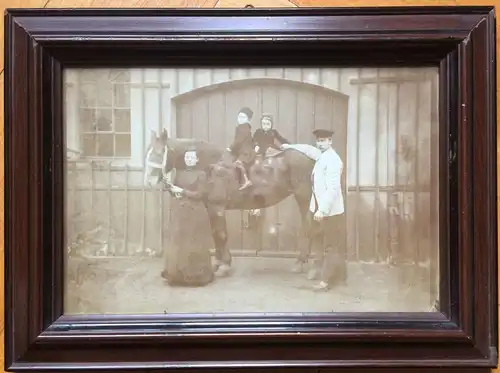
40 43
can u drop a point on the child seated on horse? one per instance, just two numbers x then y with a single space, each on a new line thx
266 136
242 147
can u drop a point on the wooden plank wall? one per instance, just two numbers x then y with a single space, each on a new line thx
198 4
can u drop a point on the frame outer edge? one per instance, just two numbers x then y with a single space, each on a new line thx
18 163
483 38
492 94
15 145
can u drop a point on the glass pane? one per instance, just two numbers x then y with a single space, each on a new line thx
122 120
122 95
104 94
104 121
88 75
87 95
89 145
119 76
384 235
87 120
122 143
105 146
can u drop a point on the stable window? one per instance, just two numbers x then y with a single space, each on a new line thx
104 113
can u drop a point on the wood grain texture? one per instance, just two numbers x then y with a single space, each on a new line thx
255 3
131 4
190 3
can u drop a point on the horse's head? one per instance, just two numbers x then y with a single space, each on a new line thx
155 164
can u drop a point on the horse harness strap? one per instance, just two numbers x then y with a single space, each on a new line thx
316 205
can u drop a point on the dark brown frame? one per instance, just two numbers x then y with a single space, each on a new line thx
40 43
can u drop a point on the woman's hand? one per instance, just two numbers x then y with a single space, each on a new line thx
175 189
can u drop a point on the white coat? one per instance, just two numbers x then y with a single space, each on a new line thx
326 180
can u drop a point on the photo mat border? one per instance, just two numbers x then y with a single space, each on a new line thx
40 43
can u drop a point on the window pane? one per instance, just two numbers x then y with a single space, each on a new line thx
122 95
122 120
122 143
104 122
87 95
105 144
105 94
119 76
89 145
87 120
88 75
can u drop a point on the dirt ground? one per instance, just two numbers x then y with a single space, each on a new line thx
134 285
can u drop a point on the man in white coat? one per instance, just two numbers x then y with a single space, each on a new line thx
326 208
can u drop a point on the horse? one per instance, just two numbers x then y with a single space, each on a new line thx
273 179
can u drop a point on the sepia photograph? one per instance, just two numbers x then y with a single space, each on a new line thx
237 190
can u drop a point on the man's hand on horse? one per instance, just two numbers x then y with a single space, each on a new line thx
318 216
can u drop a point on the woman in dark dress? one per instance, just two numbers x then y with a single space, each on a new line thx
188 259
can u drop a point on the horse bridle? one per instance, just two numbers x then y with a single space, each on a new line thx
152 164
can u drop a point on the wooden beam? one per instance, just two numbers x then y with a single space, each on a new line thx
390 79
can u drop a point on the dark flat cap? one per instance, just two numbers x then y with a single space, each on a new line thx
323 133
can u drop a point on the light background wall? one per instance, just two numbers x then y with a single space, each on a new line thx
179 4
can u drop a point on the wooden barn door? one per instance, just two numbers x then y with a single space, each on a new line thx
298 108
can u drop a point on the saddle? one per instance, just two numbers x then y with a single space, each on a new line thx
271 152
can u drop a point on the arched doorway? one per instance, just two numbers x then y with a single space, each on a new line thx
298 108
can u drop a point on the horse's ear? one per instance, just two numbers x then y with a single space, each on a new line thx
164 135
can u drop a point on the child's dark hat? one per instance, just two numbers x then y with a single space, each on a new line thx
267 115
322 133
247 111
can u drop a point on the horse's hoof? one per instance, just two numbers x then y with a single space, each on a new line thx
223 270
322 286
216 264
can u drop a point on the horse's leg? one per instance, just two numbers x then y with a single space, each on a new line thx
303 198
223 259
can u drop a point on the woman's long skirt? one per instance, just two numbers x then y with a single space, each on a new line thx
187 255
